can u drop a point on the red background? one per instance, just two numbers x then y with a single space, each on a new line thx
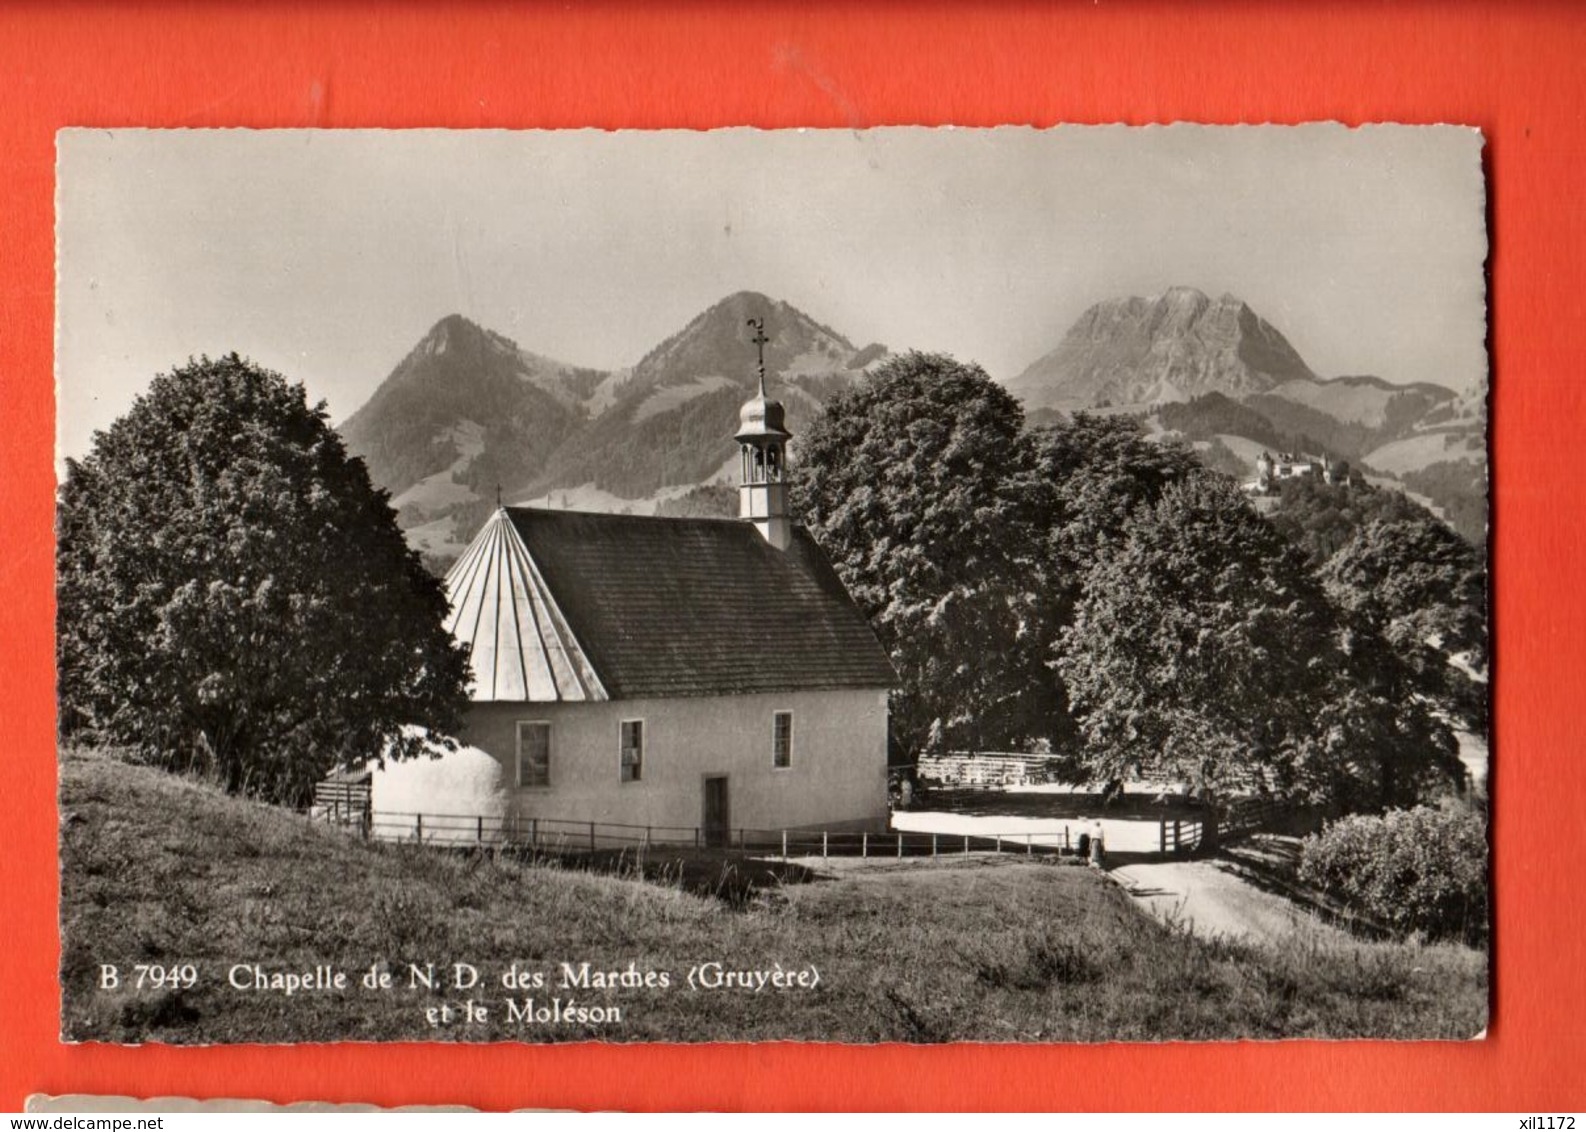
1516 71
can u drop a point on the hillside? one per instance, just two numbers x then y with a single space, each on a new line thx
159 870
1229 382
1182 346
1351 416
468 411
672 421
465 410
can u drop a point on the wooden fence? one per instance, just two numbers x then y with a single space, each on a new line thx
559 836
1176 836
344 801
987 768
1250 815
1179 836
1240 818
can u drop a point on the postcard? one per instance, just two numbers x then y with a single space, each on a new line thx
913 585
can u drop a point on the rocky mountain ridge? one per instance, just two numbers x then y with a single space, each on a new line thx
1175 346
468 411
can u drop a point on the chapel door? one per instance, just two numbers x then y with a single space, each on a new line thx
717 823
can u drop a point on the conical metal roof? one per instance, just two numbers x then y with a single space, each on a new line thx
519 644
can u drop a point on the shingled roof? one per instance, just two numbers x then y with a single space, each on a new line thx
665 607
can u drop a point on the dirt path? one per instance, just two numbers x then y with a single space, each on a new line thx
1214 901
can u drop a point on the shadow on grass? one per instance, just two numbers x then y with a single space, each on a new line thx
1271 864
734 879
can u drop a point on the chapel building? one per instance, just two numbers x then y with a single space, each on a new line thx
688 676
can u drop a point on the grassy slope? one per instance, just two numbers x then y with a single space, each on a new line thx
157 869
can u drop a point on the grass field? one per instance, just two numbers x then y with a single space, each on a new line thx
160 871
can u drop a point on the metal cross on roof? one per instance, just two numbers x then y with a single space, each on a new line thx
759 341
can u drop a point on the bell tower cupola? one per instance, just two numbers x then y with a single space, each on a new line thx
762 441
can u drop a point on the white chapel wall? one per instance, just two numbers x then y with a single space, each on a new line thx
837 776
463 784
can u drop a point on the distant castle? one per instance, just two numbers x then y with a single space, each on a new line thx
1273 470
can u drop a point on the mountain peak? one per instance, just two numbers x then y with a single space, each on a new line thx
743 300
1182 296
1174 346
717 343
454 324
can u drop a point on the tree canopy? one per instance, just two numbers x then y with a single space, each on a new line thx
909 480
1199 646
1320 518
1422 589
1202 648
234 595
1086 585
964 537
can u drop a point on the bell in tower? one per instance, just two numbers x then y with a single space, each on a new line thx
762 440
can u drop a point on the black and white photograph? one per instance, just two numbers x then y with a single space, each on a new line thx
891 585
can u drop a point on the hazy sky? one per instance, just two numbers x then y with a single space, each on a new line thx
328 254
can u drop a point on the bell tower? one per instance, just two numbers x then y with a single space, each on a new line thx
762 441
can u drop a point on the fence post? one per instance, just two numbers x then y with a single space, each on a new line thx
933 844
900 845
419 825
1178 835
823 844
1029 844
591 837
999 844
1161 834
784 846
481 837
864 844
966 843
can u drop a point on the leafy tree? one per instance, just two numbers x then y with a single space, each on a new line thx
1083 480
911 482
1201 647
1086 478
1320 518
233 594
1216 456
1423 589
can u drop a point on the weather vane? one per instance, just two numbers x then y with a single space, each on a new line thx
759 341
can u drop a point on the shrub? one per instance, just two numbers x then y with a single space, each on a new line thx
1413 871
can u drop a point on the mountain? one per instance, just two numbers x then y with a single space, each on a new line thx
1351 416
1216 373
672 420
1454 432
465 410
468 412
1182 347
1175 346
